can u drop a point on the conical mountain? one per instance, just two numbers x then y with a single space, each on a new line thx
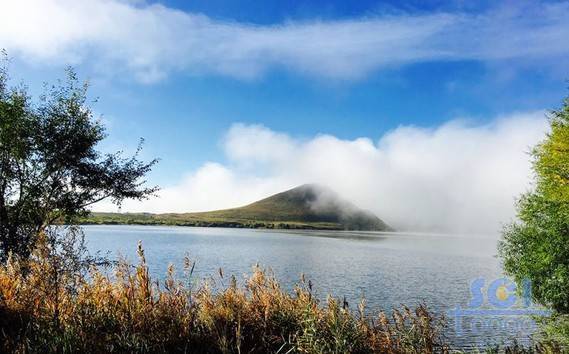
304 205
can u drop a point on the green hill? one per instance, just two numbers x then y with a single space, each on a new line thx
305 207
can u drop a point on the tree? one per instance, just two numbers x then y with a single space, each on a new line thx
537 246
50 168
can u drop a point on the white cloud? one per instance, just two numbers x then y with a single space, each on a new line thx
455 178
152 41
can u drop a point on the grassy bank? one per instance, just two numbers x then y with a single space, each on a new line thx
203 220
48 304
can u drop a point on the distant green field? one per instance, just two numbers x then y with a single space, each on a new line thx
202 220
293 209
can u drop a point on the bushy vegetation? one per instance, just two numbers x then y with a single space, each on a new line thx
50 167
537 246
51 303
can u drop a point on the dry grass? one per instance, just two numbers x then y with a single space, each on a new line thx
46 305
50 303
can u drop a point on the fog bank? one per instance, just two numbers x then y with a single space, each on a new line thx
457 178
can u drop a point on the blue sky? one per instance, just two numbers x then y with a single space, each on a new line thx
181 74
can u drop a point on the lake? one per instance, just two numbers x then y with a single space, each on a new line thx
388 269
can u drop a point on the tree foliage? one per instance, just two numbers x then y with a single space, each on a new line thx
537 246
50 168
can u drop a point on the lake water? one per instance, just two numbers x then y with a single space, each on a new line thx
388 269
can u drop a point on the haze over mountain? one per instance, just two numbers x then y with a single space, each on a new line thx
309 206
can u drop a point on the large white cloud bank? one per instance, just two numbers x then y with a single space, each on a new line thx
457 178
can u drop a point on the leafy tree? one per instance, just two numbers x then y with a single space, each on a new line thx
537 247
50 168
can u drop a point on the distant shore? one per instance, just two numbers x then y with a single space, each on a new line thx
181 220
191 220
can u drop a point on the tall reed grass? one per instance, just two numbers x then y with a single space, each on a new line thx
49 303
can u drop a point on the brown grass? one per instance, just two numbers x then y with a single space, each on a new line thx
51 304
46 306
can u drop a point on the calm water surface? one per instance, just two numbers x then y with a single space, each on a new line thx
388 269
